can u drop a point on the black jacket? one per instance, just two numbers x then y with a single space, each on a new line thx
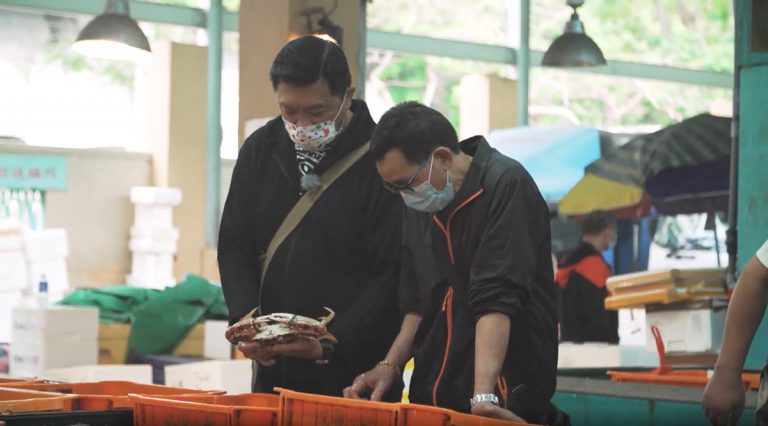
488 251
344 254
583 317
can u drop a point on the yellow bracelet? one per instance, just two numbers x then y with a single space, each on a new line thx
390 365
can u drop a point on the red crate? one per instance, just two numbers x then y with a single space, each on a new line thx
209 410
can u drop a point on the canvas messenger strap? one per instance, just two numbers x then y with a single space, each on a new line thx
305 203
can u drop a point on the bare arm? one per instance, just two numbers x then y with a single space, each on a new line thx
380 378
745 311
491 340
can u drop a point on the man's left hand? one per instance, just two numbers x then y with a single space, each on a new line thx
486 409
265 354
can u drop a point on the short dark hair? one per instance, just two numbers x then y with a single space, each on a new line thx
414 129
597 222
307 59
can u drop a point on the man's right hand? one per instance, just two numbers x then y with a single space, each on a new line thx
723 399
375 382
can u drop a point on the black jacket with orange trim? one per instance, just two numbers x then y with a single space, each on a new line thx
488 251
583 317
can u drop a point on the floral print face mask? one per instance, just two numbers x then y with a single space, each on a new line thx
315 137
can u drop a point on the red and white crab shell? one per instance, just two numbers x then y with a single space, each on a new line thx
279 327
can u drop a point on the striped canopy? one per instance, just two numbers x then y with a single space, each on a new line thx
616 181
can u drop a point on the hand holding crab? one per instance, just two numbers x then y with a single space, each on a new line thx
265 337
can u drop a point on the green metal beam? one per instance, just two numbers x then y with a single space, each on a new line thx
141 11
506 55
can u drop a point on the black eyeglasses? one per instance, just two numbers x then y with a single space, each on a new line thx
406 187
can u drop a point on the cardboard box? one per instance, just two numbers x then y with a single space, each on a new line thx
210 262
137 373
216 346
113 343
193 343
46 244
233 376
695 326
32 357
31 323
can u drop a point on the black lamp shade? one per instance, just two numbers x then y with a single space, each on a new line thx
573 50
112 36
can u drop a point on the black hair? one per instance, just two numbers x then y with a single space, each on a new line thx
597 222
307 59
414 129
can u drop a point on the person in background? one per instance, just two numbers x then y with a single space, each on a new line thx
582 276
723 399
344 253
477 286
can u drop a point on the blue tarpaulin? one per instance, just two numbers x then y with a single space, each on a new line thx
554 156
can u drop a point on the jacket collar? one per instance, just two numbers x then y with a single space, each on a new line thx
480 151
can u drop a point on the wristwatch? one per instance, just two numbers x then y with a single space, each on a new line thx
328 350
484 397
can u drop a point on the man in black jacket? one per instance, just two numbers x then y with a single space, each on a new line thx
344 254
582 277
476 283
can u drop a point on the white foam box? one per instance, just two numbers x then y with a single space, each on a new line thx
13 270
31 358
588 355
11 242
154 283
149 216
215 345
233 376
31 323
8 301
54 271
695 326
147 245
161 235
155 195
137 373
632 327
46 244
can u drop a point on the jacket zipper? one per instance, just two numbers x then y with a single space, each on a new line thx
448 300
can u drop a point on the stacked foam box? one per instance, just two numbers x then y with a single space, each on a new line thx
13 275
46 253
46 337
153 237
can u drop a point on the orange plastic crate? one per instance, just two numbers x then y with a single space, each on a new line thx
5 381
24 400
689 378
303 409
209 410
107 395
425 415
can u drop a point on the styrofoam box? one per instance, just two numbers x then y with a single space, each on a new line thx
54 271
155 283
46 244
13 271
30 323
137 373
155 195
147 245
149 216
233 376
8 301
30 358
160 235
588 355
215 345
691 330
632 327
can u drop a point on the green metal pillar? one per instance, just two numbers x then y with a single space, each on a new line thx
213 146
752 218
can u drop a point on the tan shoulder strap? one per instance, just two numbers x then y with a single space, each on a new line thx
305 203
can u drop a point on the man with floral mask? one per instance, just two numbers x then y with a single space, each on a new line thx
343 253
476 287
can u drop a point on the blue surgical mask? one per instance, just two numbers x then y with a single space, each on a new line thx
426 198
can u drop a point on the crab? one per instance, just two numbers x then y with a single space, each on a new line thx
279 328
